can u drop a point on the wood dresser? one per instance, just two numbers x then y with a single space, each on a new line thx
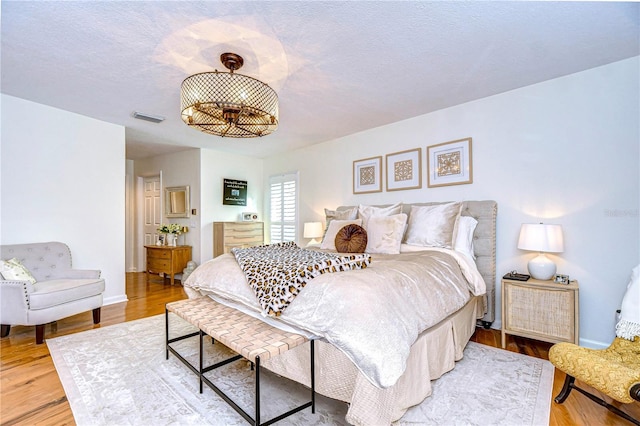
228 235
169 260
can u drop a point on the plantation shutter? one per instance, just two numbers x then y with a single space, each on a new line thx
284 207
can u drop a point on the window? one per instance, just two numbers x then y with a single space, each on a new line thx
283 191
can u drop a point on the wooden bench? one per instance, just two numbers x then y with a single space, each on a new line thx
250 338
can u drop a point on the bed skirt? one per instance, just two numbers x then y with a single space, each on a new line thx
433 354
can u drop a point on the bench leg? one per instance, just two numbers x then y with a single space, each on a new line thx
313 379
5 330
257 417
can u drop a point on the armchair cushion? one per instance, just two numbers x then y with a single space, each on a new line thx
57 292
612 371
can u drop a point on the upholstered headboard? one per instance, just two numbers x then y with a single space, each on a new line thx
484 242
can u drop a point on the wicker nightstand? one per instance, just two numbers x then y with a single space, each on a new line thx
542 310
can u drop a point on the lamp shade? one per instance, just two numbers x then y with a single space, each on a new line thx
541 237
312 229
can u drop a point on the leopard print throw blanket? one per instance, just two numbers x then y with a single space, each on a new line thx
278 272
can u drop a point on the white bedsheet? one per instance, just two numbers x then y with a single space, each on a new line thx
373 315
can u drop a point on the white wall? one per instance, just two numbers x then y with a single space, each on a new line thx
216 166
63 180
563 151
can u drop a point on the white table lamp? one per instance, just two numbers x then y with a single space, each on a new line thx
543 239
312 230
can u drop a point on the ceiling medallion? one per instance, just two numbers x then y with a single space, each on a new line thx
228 104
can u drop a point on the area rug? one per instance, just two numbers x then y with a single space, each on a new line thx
118 375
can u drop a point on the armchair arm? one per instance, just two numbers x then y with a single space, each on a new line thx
13 301
78 273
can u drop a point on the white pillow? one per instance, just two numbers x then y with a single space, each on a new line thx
384 233
366 212
349 214
329 240
464 237
433 226
12 269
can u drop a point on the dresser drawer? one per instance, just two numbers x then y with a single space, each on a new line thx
229 235
158 254
159 264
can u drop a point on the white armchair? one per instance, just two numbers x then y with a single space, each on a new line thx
58 292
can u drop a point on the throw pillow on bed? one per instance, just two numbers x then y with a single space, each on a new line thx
367 212
385 233
348 214
351 239
13 270
433 226
329 240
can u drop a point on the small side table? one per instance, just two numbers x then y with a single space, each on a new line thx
542 310
169 260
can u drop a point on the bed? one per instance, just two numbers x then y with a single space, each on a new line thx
361 359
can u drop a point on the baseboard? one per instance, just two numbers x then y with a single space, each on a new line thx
593 344
114 299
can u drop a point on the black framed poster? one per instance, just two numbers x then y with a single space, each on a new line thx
235 192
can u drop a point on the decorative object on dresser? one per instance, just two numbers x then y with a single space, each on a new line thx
313 230
229 104
39 286
367 175
449 163
542 310
167 260
542 238
404 170
249 216
170 233
228 235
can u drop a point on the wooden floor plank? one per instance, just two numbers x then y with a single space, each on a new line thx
31 392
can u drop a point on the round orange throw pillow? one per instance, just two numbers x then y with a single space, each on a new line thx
351 239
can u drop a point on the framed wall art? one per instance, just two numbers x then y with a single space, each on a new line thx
404 170
449 163
367 175
234 192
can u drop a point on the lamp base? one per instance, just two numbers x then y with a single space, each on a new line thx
541 268
313 242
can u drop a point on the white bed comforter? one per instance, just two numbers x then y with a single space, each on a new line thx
373 315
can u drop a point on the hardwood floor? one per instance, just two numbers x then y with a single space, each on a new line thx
31 392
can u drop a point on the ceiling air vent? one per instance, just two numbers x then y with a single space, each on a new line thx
148 117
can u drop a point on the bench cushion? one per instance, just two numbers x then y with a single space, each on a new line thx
242 333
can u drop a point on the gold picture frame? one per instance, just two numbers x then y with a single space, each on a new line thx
404 170
450 163
367 175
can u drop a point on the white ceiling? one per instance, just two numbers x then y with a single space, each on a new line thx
339 67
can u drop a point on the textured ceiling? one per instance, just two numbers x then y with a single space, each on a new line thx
339 67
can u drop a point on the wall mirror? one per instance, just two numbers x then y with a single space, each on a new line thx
176 199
